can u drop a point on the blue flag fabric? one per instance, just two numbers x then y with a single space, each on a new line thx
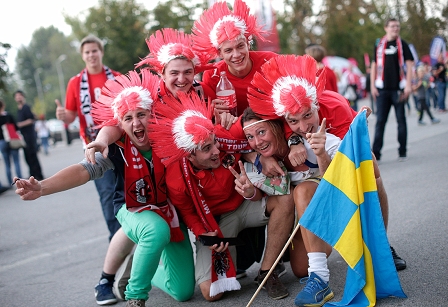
345 212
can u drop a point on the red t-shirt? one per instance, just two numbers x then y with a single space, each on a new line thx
331 83
217 187
72 97
211 77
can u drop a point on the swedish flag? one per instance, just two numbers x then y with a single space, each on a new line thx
345 212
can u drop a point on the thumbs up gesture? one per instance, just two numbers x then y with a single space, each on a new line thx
317 140
60 110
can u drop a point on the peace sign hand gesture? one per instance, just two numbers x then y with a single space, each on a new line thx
242 183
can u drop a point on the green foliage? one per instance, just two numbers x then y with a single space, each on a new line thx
174 14
296 29
4 69
349 28
121 25
36 64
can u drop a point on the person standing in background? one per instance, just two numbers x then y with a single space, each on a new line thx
43 133
420 86
439 72
6 151
318 53
83 90
25 122
391 84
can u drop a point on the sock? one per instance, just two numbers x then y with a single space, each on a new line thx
318 264
109 277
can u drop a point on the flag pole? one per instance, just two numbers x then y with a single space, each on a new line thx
274 265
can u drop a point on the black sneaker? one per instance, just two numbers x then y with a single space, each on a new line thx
280 269
104 294
276 290
400 264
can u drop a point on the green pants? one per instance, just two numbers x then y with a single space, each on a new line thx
157 261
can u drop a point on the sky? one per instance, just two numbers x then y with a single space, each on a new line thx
20 18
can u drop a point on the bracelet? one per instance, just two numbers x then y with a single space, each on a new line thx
253 196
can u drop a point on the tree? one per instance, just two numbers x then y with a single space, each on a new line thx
174 14
296 26
121 25
4 69
36 65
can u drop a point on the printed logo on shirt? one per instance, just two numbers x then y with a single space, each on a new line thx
391 50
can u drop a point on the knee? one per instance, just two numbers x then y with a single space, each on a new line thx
155 232
184 294
303 194
205 290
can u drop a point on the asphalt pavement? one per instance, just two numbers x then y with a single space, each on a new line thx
52 249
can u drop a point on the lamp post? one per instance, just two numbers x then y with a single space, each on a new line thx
61 58
40 92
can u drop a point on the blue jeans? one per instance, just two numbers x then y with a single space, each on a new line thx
385 100
441 93
7 153
106 188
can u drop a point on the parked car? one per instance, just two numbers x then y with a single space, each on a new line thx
58 131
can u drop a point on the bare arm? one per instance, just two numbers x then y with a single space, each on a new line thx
373 90
67 178
408 88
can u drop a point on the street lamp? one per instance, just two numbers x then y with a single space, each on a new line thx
61 58
40 92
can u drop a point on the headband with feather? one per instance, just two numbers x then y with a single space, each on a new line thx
169 44
287 85
180 126
125 93
219 24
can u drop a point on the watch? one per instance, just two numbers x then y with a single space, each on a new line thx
295 140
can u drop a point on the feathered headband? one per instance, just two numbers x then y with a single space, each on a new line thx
125 93
180 126
287 84
169 44
219 24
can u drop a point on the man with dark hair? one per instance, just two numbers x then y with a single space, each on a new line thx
25 122
391 74
82 91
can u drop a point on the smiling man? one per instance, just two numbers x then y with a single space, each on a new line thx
229 35
202 189
82 91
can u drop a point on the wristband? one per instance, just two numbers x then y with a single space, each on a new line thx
253 196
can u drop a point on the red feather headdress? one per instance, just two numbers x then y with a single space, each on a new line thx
219 24
125 93
169 44
287 84
179 126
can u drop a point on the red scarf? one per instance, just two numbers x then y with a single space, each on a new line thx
142 193
381 60
223 271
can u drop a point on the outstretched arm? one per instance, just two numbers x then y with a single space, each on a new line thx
67 178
